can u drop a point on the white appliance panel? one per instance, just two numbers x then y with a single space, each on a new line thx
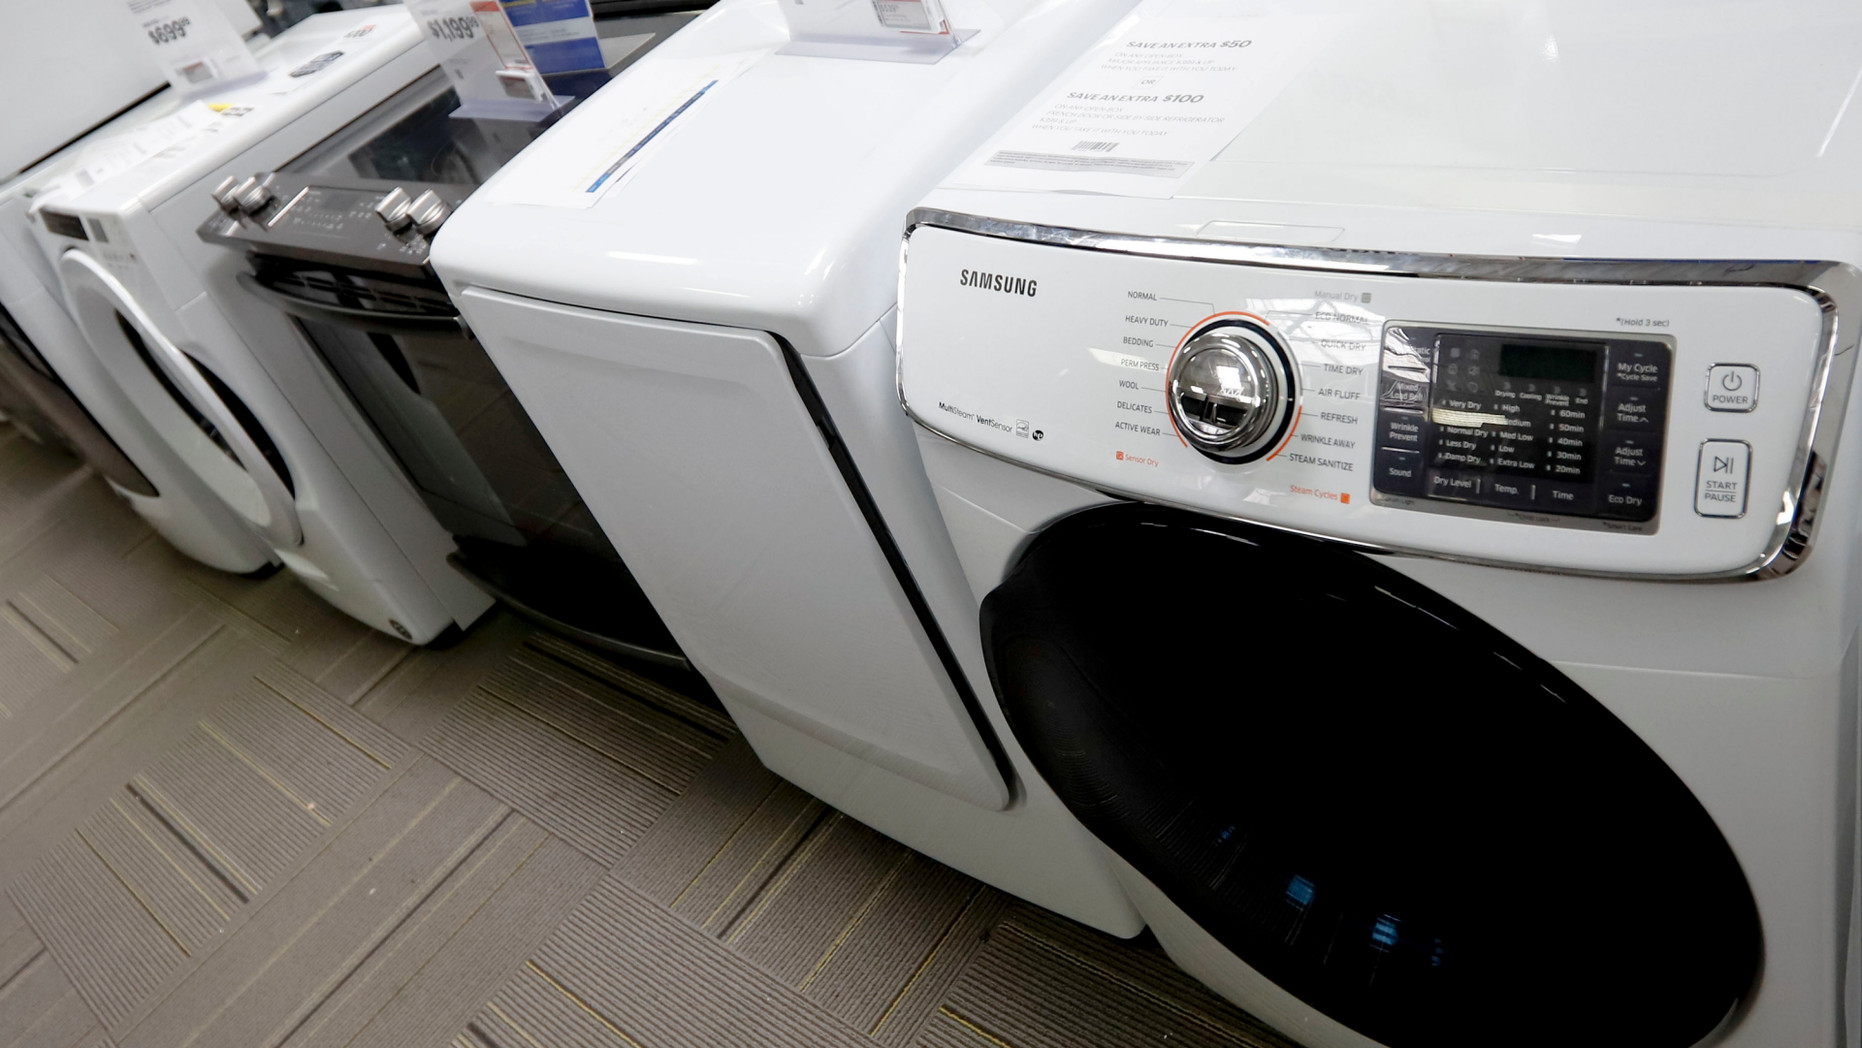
1082 361
747 559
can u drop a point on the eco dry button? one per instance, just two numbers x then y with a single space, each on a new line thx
1732 387
1720 490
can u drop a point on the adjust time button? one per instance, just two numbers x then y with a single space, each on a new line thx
1631 452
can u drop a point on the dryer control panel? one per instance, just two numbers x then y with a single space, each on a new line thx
1582 425
1546 422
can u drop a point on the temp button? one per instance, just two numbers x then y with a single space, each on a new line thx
1733 387
1720 488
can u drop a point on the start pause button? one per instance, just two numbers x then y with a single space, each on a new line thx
1720 489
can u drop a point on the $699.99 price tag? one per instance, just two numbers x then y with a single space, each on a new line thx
170 31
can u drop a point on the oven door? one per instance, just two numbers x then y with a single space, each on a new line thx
439 404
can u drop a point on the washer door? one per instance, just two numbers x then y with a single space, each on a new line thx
1373 798
195 412
22 365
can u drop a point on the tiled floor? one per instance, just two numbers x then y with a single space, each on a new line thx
231 817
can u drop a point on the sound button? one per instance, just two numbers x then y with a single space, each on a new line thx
1732 387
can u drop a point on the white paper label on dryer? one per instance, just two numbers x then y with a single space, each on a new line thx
195 44
615 132
1142 111
99 161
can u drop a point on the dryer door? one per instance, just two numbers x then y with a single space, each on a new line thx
1371 797
23 367
196 413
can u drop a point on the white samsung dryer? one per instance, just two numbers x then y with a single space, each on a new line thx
1420 548
707 348
237 396
44 356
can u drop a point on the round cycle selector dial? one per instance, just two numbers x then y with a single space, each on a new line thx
1232 391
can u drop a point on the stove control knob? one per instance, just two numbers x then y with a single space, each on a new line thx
428 211
252 194
223 194
393 210
1232 391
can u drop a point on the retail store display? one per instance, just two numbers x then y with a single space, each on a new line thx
228 385
1559 733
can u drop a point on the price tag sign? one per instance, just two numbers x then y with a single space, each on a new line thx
558 34
911 16
878 30
501 34
456 38
195 44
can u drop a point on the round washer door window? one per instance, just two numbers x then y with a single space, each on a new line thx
1376 800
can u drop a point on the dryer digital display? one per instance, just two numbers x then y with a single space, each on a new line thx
1552 423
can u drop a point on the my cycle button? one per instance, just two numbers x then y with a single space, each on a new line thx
1732 387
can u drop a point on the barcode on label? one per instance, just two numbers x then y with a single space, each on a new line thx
1094 147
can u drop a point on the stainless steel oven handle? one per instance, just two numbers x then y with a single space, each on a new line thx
360 319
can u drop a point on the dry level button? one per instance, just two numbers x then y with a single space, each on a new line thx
1732 387
1720 489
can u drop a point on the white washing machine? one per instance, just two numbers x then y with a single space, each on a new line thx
237 396
1418 548
707 348
43 353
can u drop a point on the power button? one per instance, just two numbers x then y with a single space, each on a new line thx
1732 387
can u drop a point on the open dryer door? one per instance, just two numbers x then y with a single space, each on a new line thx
1378 802
194 411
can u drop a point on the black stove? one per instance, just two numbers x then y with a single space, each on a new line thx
339 239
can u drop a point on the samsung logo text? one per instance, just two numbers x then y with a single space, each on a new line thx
1008 285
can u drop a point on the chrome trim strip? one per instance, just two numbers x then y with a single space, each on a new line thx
1835 286
285 210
